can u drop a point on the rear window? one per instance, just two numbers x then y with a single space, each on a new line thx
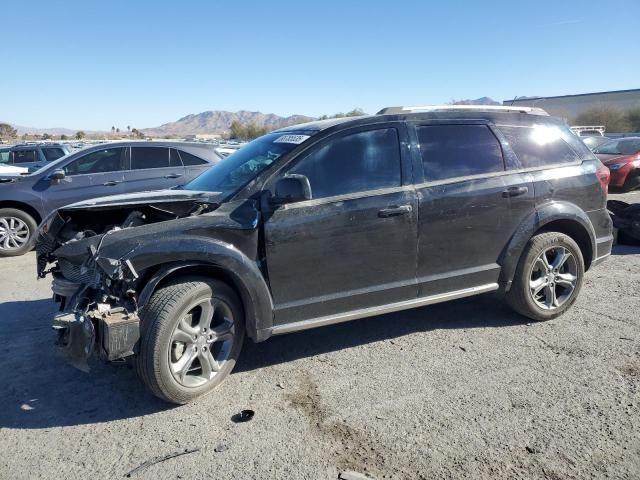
25 156
539 146
189 160
52 154
4 156
149 157
620 147
450 151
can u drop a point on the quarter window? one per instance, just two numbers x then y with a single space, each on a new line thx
52 154
25 156
4 156
189 160
101 161
450 151
149 157
354 163
539 146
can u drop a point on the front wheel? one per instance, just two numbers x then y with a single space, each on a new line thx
548 278
192 334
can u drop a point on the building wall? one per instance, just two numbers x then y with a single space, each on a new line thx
570 106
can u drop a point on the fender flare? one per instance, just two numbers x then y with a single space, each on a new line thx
172 256
543 215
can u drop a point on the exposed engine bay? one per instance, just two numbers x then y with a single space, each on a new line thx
97 292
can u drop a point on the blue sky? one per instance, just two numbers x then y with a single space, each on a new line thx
94 64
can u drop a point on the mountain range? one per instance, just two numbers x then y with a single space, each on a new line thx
218 121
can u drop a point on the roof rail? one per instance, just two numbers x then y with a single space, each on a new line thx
463 108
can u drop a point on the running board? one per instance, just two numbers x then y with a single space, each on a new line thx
372 311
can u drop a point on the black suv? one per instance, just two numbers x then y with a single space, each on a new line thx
322 223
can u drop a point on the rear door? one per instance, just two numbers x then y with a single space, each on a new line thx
26 157
353 245
153 168
470 205
95 174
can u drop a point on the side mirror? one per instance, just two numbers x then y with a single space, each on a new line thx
292 188
56 175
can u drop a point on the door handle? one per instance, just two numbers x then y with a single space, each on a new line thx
111 183
394 211
514 191
173 175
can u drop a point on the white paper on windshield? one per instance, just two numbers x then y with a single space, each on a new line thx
297 139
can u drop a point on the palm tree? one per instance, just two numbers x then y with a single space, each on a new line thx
113 130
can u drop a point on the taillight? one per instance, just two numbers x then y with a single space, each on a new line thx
603 175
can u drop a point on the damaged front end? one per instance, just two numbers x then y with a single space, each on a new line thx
98 315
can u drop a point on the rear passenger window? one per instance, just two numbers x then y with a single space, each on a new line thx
353 163
174 158
538 146
149 157
189 159
52 154
450 151
25 156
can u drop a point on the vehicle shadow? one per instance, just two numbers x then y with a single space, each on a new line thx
40 391
625 250
474 312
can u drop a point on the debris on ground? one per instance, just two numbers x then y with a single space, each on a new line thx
156 460
243 416
349 475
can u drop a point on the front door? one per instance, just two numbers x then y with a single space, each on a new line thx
353 245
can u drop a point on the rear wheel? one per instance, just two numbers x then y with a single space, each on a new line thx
17 232
192 334
548 278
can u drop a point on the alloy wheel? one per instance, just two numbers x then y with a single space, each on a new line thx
553 277
14 233
201 342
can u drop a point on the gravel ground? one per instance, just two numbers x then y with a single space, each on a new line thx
466 389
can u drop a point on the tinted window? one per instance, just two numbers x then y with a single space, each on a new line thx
174 158
53 153
539 146
189 159
4 156
458 150
620 147
149 157
107 160
353 163
24 156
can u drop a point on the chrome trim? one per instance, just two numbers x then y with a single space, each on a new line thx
379 310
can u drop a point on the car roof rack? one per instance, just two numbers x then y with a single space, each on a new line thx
462 108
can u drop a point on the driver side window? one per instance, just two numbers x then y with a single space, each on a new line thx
100 161
357 162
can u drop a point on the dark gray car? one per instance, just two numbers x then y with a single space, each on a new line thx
106 169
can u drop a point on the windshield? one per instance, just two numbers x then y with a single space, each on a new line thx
625 146
244 165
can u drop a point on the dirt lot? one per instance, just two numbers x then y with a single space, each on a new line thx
460 390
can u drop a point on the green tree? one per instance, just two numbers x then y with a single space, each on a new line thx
46 136
80 135
64 137
613 119
7 131
117 130
633 119
238 130
128 128
113 130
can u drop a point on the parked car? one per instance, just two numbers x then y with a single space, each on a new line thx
5 154
595 141
622 157
34 156
322 223
97 171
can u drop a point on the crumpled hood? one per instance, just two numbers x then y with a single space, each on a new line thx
145 198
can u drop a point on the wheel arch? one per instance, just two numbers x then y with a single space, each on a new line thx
562 217
253 292
25 207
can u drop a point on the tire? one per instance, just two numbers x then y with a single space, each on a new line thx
529 274
14 225
162 349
